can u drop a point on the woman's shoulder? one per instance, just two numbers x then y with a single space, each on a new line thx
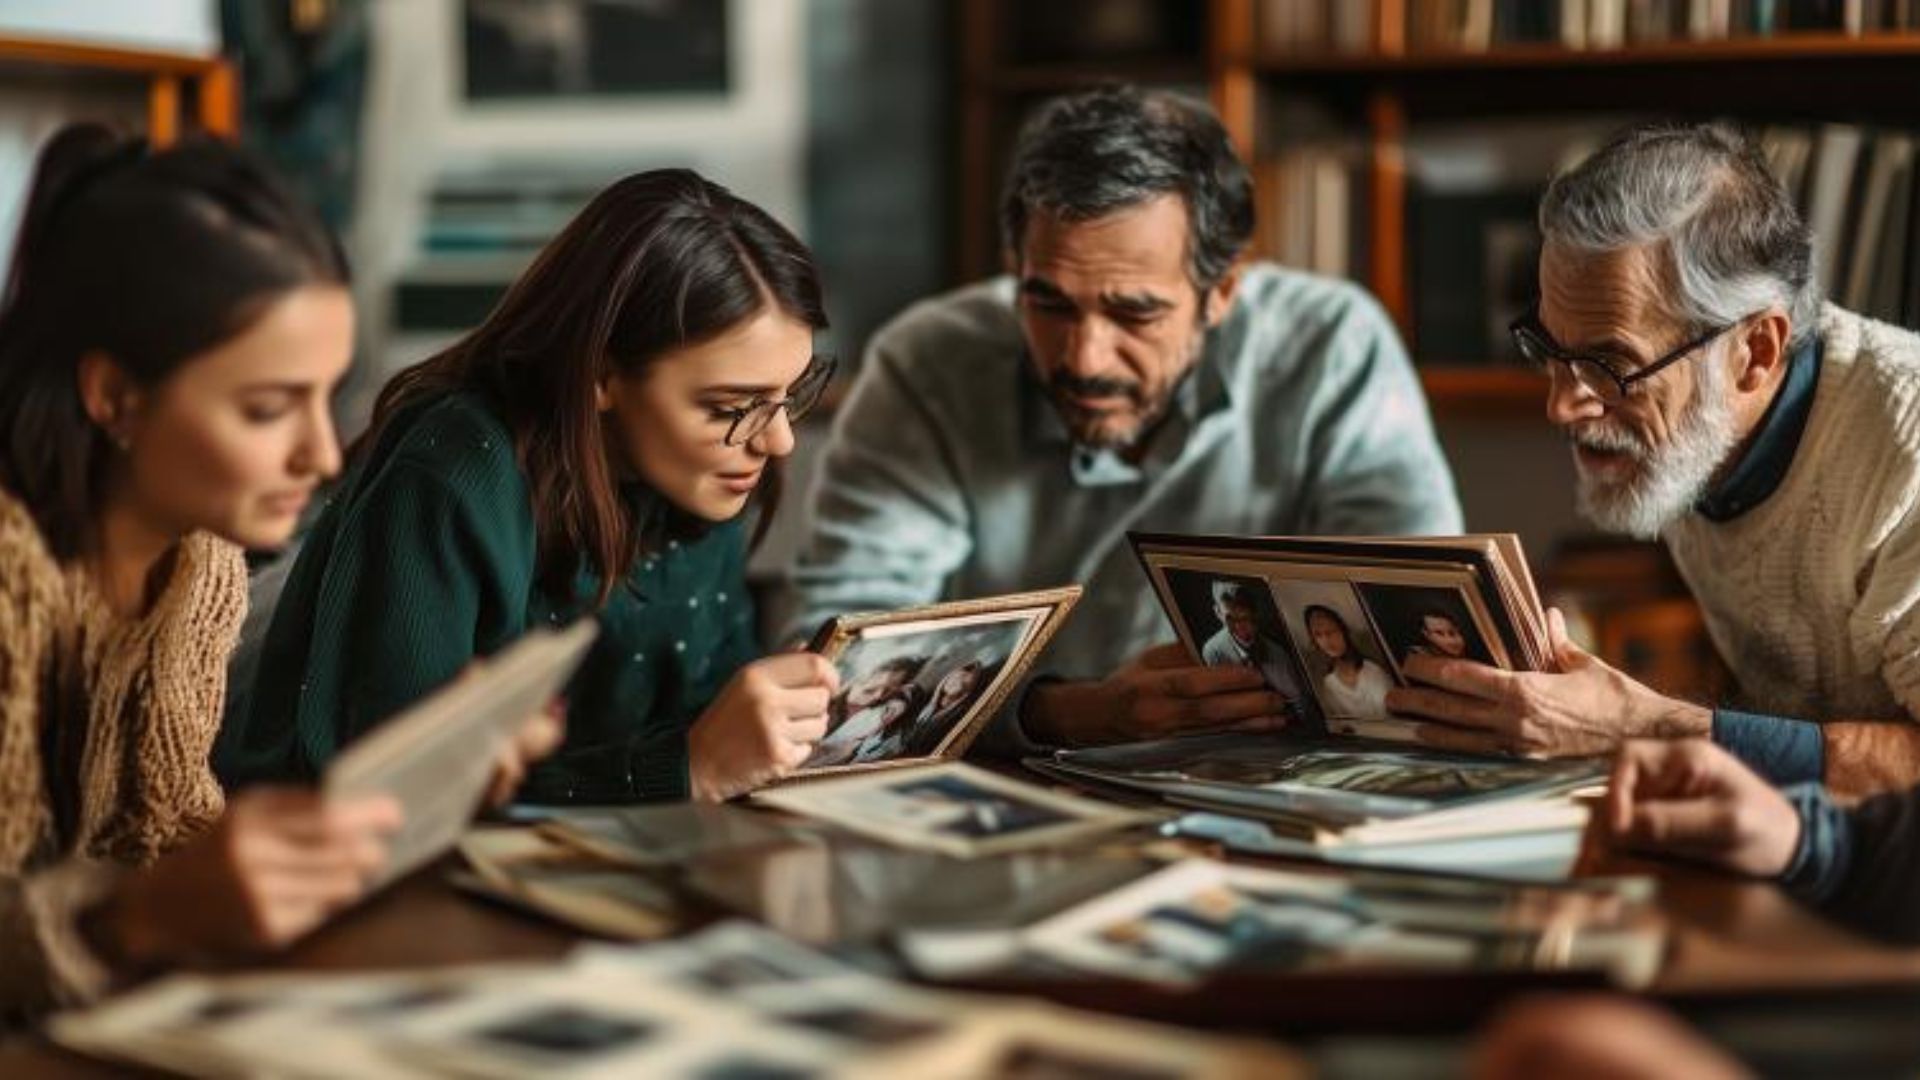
30 577
22 547
448 431
454 441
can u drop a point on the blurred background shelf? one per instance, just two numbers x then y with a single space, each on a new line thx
181 87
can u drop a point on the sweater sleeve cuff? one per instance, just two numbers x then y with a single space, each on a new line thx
1783 751
1824 855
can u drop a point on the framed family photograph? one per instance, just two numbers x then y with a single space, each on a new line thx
1331 633
918 685
953 808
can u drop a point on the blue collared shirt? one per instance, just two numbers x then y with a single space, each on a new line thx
949 474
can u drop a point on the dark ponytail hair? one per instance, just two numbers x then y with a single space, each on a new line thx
659 261
151 257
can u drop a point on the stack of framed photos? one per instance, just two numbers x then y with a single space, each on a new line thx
1330 625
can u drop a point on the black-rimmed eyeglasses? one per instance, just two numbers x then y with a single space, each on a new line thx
751 419
1594 374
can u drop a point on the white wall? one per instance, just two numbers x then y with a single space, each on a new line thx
33 102
419 127
189 26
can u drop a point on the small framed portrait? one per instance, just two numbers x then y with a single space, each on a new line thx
918 685
1229 618
1416 620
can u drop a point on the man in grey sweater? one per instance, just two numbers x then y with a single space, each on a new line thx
1132 373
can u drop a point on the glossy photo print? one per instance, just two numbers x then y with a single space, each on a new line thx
1230 619
1416 620
903 692
1345 663
918 684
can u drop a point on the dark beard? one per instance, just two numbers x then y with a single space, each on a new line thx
1148 407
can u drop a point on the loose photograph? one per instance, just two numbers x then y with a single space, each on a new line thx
1418 620
954 808
1198 918
1231 620
1345 662
905 688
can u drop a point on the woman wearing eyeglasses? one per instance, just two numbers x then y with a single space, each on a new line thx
590 449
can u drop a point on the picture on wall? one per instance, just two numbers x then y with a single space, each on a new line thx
531 50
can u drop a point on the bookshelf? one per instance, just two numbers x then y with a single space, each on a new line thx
1398 80
172 79
1394 84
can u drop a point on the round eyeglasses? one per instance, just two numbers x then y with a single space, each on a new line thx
749 420
1594 374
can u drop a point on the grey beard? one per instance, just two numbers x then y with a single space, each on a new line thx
1671 480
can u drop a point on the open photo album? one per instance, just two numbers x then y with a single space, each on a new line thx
1330 625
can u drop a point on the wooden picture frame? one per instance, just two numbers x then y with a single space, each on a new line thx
1040 615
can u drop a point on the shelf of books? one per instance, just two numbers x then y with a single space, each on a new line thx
1405 143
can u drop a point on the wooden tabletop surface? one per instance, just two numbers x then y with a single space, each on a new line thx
1728 937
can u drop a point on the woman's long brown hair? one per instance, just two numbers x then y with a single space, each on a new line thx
659 261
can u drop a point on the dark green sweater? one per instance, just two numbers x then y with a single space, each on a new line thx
424 559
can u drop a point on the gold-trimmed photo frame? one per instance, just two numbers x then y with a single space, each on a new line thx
919 684
1375 612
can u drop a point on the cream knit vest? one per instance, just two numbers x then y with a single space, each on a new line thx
153 690
1813 597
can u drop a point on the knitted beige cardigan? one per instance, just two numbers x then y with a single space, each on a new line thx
151 689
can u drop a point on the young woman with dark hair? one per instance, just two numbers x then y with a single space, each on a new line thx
1353 686
589 449
171 329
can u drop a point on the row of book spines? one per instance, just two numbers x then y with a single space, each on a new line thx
1301 26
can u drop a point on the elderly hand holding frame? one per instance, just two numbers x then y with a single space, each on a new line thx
1583 707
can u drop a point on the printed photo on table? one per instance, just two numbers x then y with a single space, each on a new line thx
950 807
1231 620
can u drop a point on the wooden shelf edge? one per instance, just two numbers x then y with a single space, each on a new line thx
1529 57
55 51
1463 390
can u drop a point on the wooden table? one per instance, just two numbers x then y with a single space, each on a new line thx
1731 938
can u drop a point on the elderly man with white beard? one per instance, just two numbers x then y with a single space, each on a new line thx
1771 440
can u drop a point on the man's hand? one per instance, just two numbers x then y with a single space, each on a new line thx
1693 800
1583 708
1158 694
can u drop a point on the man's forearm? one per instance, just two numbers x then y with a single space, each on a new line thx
1865 757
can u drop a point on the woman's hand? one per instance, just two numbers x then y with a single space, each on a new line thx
273 868
539 736
762 726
